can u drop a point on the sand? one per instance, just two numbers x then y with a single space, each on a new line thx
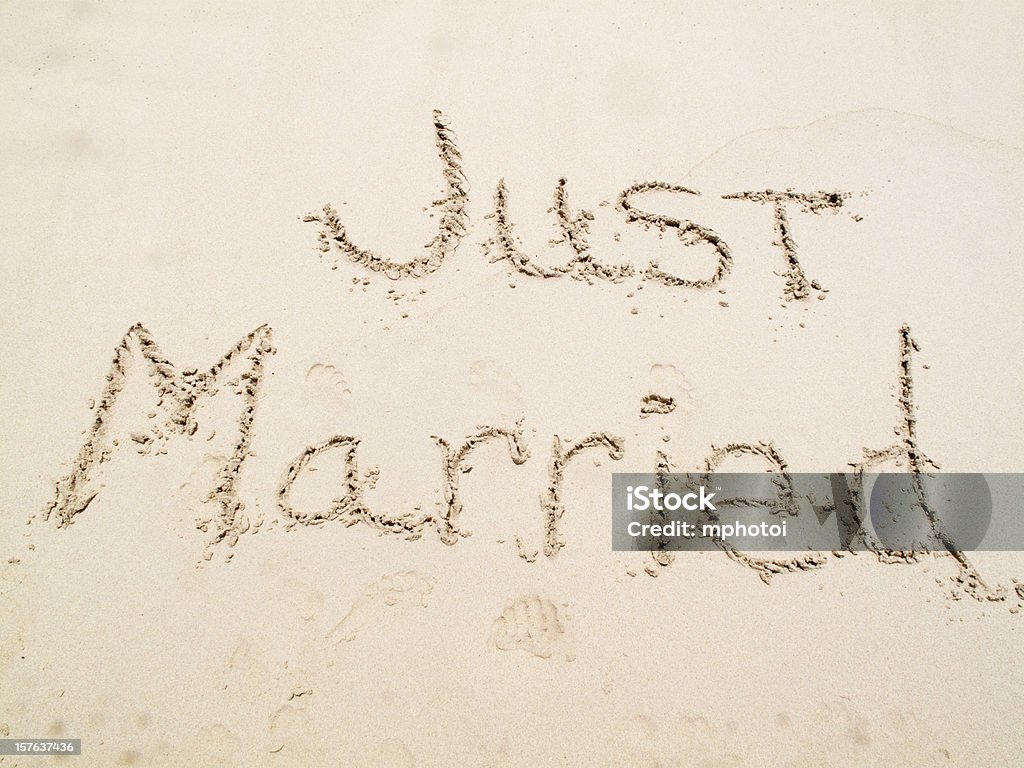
326 327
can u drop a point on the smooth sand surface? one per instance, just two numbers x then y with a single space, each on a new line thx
378 532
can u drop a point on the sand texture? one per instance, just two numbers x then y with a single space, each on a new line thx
325 325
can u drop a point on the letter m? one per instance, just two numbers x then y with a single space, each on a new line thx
176 393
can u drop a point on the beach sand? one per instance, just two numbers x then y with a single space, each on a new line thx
272 499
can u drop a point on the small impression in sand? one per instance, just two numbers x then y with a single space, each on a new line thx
395 591
496 387
191 493
668 390
325 382
536 625
653 405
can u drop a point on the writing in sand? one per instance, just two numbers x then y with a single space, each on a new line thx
574 227
180 392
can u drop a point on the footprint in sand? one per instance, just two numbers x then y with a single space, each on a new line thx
327 383
496 385
667 382
536 625
394 591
